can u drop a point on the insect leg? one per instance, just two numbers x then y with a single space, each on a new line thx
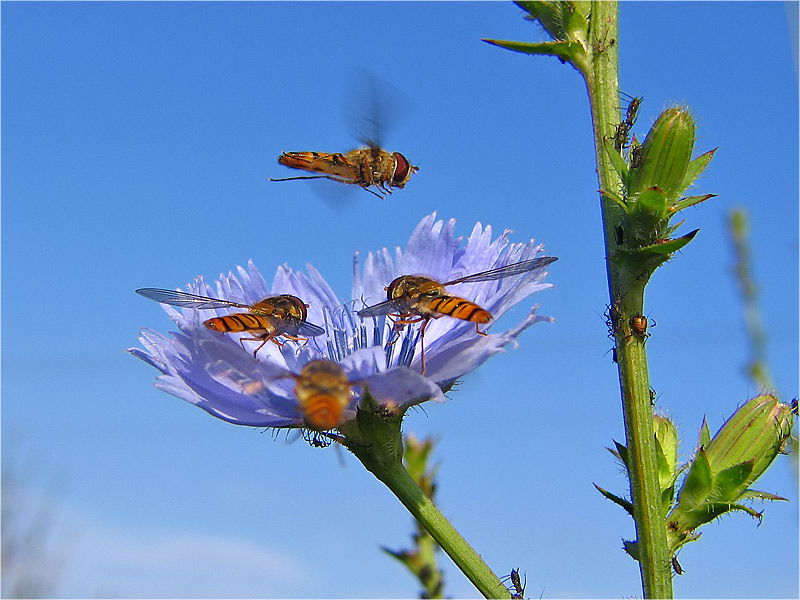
331 177
294 338
422 344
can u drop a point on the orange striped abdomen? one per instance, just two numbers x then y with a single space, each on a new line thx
323 411
323 392
320 162
240 322
458 308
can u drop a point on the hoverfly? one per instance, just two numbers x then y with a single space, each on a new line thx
267 320
367 167
414 298
323 391
375 106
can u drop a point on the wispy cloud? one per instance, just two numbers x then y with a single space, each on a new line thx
108 562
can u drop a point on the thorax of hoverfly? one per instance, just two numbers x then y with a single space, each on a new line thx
281 307
413 286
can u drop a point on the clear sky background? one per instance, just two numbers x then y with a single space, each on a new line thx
137 143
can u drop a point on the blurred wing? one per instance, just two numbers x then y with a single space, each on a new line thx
298 327
376 310
507 271
176 298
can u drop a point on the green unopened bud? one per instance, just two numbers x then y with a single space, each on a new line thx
666 154
725 466
755 433
667 438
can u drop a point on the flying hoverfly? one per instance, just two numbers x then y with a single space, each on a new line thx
367 167
414 298
267 320
376 105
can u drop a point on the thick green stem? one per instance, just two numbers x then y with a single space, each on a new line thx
626 292
394 475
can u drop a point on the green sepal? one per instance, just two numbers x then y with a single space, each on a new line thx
667 499
571 52
689 201
627 505
670 246
731 482
752 494
621 452
714 510
615 198
619 164
696 168
705 435
562 20
651 204
545 13
665 471
697 484
632 548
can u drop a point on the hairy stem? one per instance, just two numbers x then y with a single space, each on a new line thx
626 293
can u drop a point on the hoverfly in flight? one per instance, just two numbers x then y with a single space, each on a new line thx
267 320
414 298
376 106
368 167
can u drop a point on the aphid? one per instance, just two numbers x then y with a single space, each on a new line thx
267 320
323 391
633 109
621 135
414 298
676 566
367 167
518 590
636 155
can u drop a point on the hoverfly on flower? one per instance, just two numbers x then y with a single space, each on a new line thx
267 320
323 392
415 298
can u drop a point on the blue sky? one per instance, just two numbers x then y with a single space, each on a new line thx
138 139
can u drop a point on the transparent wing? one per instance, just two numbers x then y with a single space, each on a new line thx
295 326
507 271
185 300
376 310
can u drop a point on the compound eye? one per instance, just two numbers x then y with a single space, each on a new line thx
401 172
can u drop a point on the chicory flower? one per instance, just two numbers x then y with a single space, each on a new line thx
213 371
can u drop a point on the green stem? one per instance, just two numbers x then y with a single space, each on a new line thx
394 475
626 293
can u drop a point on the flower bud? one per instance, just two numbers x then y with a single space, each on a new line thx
725 466
756 432
666 154
667 438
